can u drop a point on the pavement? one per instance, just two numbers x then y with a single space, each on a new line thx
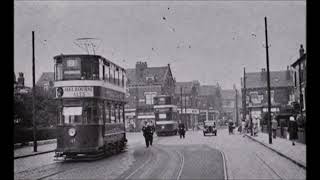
283 147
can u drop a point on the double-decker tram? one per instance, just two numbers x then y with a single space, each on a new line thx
90 91
166 115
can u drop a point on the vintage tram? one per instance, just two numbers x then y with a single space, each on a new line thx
90 92
166 115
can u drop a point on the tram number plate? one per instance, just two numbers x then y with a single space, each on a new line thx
72 141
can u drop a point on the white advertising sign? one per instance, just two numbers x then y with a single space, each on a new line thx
74 92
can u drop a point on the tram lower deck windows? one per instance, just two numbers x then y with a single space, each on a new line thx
72 115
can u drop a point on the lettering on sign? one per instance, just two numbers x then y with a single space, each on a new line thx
77 91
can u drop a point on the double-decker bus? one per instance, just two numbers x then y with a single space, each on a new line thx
90 91
166 115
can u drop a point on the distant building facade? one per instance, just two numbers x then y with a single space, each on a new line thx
231 104
46 81
144 83
256 96
210 103
187 100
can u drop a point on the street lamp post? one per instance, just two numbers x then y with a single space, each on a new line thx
268 82
33 98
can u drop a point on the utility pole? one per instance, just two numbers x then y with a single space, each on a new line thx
181 104
33 98
244 95
268 83
185 110
237 118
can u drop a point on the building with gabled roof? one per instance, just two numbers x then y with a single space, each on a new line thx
256 99
144 83
46 80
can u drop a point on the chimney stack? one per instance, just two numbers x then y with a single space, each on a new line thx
263 74
301 50
140 67
21 80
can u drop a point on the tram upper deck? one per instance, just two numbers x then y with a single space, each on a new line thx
88 71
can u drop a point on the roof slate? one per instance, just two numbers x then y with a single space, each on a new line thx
277 79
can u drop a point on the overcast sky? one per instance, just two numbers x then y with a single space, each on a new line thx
209 41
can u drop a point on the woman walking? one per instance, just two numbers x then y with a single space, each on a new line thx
293 130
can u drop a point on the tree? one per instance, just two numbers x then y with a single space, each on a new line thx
45 105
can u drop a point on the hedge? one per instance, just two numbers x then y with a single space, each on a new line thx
22 135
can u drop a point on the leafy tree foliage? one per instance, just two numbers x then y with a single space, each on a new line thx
45 105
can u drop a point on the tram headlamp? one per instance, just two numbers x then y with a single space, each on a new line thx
72 132
162 127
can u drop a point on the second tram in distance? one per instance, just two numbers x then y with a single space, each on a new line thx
166 115
90 91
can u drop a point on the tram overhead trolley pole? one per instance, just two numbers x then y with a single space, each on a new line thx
33 98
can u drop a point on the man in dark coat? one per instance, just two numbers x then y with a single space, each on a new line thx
182 130
293 130
147 130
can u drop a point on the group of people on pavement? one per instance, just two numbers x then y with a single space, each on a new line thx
246 127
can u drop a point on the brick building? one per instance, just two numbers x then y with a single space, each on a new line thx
144 83
300 79
256 99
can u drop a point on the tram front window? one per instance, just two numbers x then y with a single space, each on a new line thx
72 115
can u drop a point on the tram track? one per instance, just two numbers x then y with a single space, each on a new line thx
266 164
181 164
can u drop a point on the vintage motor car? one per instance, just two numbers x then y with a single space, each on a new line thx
210 128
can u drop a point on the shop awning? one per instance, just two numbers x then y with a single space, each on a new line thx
72 111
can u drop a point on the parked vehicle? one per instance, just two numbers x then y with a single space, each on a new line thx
210 128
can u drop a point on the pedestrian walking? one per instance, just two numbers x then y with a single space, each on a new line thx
243 128
274 123
293 130
255 126
230 126
282 124
147 130
182 130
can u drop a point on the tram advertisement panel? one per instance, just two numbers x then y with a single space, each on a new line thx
75 91
88 91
